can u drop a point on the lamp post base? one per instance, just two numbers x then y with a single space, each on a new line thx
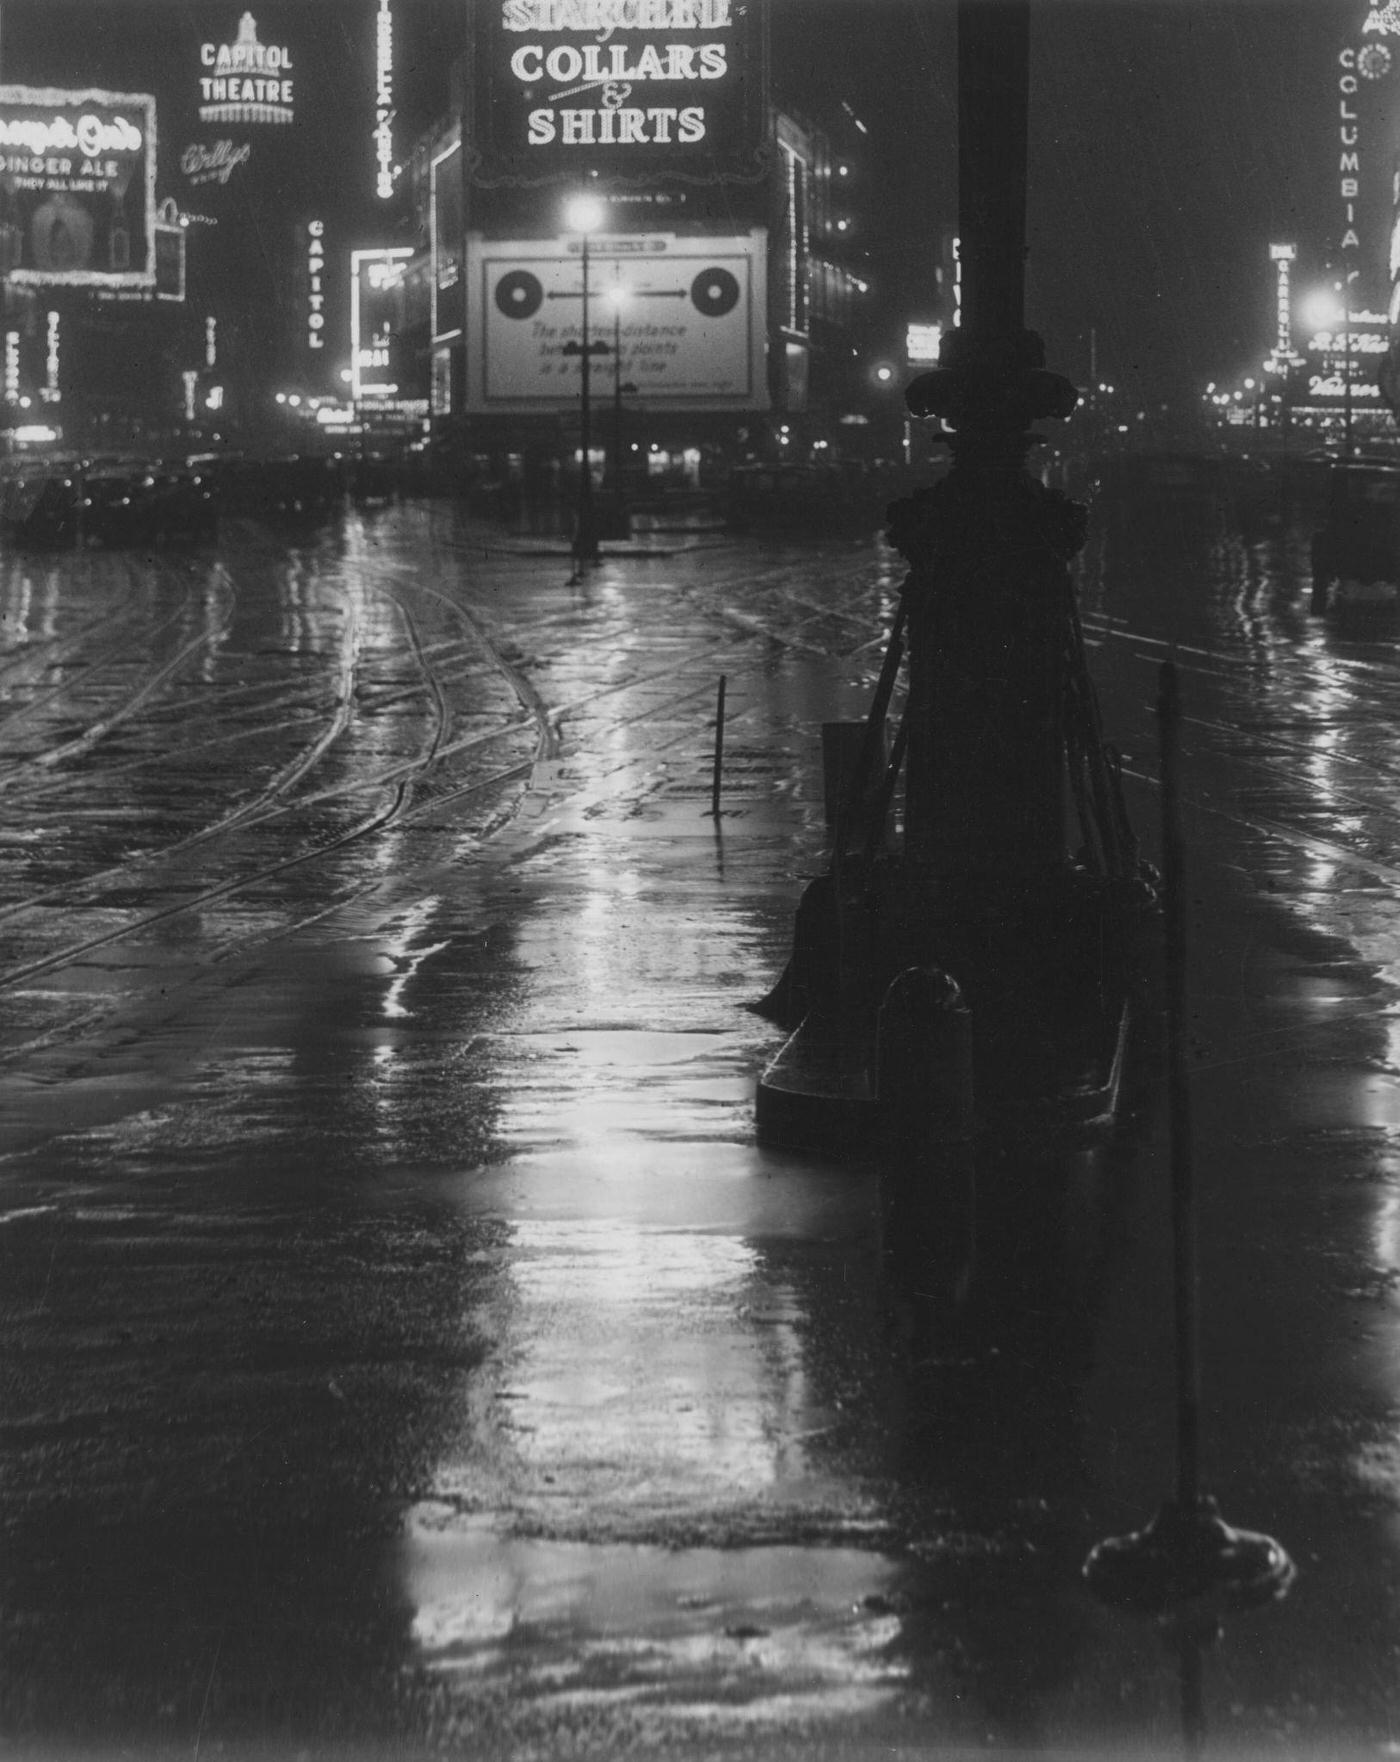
1189 1555
584 549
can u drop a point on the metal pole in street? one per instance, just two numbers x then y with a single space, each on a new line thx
1346 381
1187 1559
585 543
584 214
619 297
978 802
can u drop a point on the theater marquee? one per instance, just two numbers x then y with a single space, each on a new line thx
629 89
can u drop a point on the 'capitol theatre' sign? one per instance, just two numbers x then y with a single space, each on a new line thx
246 81
77 187
631 89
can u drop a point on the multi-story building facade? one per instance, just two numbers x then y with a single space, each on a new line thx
720 285
272 136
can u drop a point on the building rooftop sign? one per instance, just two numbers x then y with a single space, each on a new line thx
630 89
77 194
245 81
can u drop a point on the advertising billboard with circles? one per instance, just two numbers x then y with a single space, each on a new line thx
678 322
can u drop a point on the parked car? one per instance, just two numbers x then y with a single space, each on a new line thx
1356 549
43 504
374 477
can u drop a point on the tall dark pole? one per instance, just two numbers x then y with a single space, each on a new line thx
1346 382
617 397
586 538
993 104
989 552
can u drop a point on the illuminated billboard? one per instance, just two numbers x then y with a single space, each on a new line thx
378 316
687 313
77 187
1339 363
446 213
625 89
246 81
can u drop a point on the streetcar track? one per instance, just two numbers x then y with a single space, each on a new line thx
271 802
49 652
91 670
1308 842
545 720
420 785
99 730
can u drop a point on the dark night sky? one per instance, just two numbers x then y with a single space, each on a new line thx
1172 140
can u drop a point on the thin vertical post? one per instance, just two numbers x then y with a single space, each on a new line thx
1346 383
719 750
1188 1559
1183 1182
586 543
617 402
993 109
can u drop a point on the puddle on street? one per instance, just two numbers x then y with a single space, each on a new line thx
725 1636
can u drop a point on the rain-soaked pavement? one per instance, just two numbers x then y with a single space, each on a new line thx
406 1348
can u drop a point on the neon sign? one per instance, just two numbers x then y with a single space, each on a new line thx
79 169
560 77
921 344
1283 256
1333 385
248 80
613 121
1354 342
384 102
315 288
90 135
214 164
603 17
51 358
1349 165
376 283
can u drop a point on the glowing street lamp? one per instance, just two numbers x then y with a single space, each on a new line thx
584 215
1321 310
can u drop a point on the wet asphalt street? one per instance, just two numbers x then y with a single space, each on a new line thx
405 1348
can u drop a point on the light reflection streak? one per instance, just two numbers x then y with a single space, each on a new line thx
738 1637
1385 1231
404 959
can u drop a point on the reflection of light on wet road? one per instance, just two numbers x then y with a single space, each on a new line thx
640 1369
726 1639
403 958
651 1368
